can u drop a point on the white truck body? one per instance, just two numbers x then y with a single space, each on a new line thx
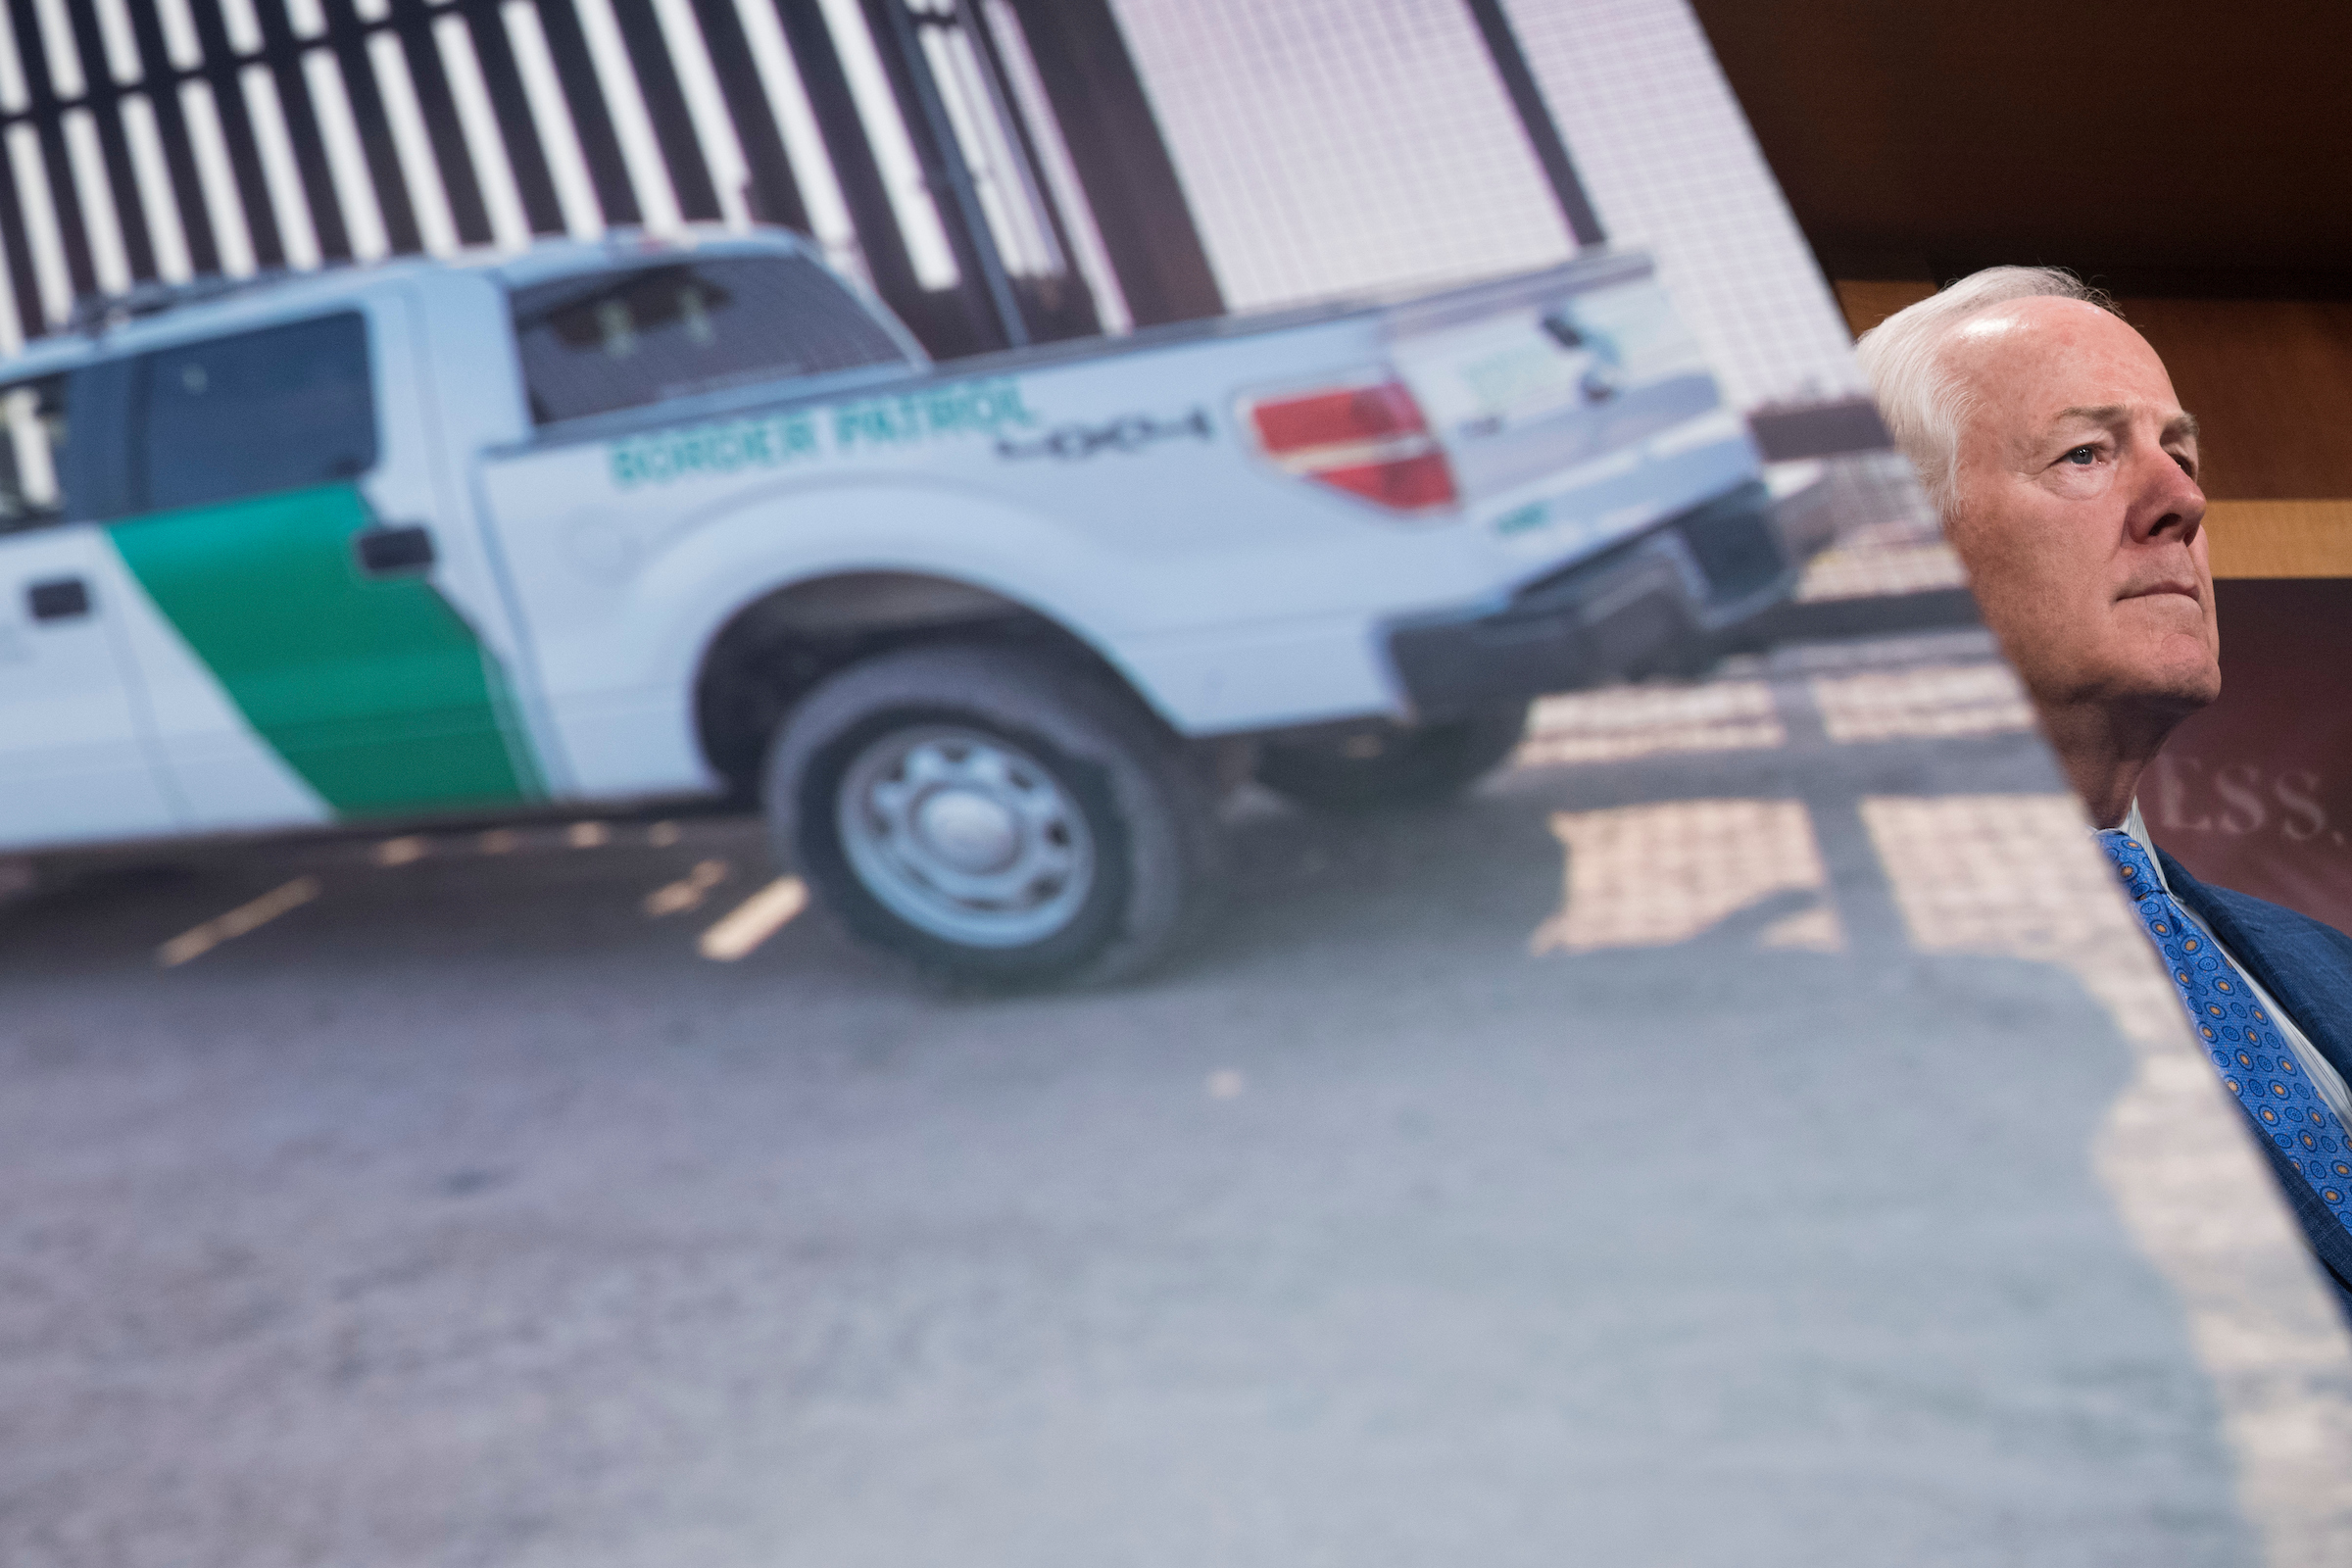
216 621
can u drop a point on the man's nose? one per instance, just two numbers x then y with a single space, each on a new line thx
2166 502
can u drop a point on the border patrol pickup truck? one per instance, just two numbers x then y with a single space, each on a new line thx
615 524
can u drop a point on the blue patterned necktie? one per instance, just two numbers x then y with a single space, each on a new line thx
2255 1062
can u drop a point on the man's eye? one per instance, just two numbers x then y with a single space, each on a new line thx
2082 457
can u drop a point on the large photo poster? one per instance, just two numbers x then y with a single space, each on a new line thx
1060 782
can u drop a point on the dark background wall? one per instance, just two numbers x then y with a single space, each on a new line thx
2193 160
2203 142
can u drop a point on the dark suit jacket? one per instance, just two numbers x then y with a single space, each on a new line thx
2307 969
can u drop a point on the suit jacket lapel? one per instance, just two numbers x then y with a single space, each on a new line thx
2307 969
2305 966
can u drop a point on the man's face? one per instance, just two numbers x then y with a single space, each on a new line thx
2077 509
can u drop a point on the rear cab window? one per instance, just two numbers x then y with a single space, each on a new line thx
283 408
623 340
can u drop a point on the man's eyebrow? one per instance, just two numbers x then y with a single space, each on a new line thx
2183 425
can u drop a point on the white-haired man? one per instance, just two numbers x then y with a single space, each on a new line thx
2047 431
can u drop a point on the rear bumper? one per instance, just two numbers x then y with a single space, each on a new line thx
1659 599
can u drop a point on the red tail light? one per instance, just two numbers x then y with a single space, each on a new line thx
1370 441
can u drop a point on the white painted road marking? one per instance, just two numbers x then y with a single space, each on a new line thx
688 891
194 944
400 851
754 919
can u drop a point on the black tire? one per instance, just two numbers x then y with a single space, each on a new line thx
1396 767
1114 782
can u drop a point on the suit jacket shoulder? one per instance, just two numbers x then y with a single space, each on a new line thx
2305 965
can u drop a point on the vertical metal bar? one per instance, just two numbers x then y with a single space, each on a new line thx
281 54
23 286
114 146
413 24
775 195
1121 160
591 118
535 183
852 156
348 39
160 80
49 127
992 65
665 106
934 137
1535 118
220 72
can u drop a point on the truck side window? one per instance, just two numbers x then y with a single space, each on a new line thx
591 345
34 416
279 408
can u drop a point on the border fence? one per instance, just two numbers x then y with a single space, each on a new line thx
1001 172
993 167
989 166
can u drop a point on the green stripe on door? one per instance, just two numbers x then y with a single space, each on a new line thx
373 689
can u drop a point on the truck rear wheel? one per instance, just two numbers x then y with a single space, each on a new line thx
1393 767
992 816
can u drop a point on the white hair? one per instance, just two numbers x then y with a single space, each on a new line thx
1922 402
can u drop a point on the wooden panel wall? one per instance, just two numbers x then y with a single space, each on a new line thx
1931 136
2270 381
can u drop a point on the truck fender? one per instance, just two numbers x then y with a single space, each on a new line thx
850 569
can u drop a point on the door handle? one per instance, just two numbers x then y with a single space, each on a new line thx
404 547
61 599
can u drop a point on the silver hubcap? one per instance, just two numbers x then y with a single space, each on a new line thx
966 836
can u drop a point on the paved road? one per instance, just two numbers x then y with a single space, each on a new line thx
465 1213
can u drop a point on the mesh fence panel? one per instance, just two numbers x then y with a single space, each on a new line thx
1334 146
